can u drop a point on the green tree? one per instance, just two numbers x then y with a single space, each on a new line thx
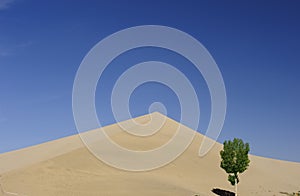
235 159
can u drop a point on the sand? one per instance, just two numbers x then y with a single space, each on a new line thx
66 167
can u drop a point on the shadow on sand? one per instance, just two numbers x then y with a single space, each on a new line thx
222 192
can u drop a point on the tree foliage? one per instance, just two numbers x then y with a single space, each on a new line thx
235 159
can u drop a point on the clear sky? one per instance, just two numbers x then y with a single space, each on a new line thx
256 45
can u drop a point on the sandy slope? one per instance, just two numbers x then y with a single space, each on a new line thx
65 167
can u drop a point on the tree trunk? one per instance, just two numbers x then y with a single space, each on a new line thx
236 191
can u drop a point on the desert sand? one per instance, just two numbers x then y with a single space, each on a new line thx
66 167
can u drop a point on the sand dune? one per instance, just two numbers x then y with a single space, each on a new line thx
65 167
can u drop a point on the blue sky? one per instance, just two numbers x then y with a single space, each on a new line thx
256 45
